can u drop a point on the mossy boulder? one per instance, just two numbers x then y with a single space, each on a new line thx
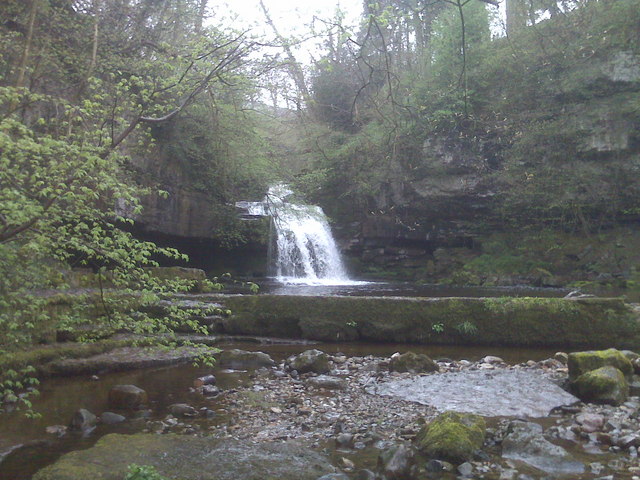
603 385
127 397
309 361
189 458
452 436
412 362
582 362
243 360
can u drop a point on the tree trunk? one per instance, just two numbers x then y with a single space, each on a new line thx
201 13
24 58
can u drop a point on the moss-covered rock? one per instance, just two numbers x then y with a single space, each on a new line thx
603 385
517 321
412 362
452 436
189 458
314 361
582 362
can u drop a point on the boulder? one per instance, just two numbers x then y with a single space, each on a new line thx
412 362
605 385
204 380
182 410
83 420
452 436
582 362
309 361
127 397
189 458
243 360
525 442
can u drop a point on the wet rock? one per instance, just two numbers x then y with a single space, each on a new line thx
590 422
83 420
309 361
395 462
626 441
210 391
182 410
57 430
344 440
435 466
582 362
328 382
110 418
334 476
604 385
412 362
490 359
465 469
243 360
634 386
205 380
127 397
562 357
521 392
452 436
636 366
524 442
190 458
365 474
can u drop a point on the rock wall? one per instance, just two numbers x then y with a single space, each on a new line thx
449 196
513 322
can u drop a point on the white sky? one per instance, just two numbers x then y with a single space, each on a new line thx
292 17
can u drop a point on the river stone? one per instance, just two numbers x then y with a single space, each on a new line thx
583 362
110 418
412 362
604 385
483 392
309 361
525 442
452 436
189 458
328 382
395 462
127 397
243 360
83 420
182 410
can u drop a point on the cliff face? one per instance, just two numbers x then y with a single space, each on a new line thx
576 158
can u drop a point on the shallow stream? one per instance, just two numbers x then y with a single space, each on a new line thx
26 447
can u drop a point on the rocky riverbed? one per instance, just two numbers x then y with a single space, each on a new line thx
363 417
342 407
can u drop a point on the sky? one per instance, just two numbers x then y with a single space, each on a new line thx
292 17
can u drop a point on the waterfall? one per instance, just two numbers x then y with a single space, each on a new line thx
301 247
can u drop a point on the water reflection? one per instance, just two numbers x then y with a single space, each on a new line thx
404 289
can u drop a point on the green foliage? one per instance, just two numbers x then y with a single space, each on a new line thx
466 328
72 146
143 472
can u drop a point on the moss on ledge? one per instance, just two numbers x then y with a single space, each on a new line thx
517 322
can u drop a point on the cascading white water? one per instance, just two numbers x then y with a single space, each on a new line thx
302 249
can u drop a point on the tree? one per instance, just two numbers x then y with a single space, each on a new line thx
72 120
